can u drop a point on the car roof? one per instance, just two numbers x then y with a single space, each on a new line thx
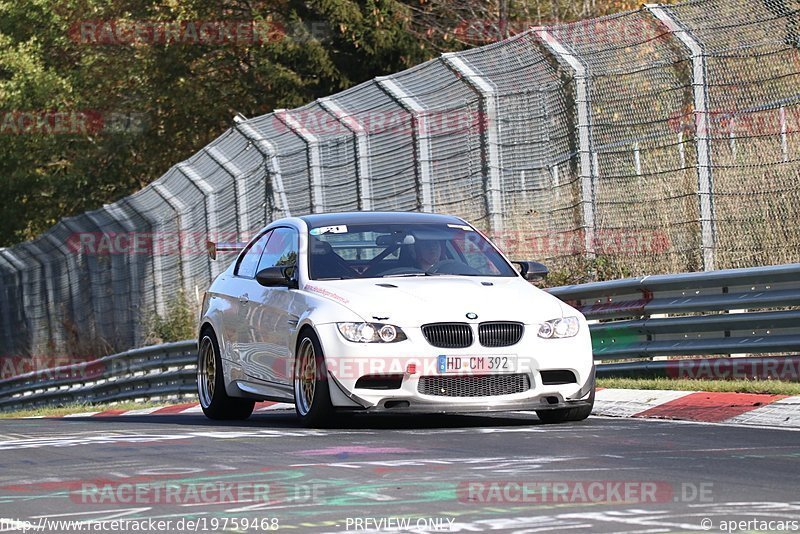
377 217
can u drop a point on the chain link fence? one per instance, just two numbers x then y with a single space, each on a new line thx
660 140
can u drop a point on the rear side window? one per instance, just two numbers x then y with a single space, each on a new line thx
248 261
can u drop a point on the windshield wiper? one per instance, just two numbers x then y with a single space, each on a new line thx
409 275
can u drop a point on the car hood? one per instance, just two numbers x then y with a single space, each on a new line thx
421 300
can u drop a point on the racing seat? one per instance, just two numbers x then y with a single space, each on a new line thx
326 263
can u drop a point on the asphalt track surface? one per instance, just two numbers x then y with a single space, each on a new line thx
398 474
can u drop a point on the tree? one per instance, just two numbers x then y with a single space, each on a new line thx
89 115
66 58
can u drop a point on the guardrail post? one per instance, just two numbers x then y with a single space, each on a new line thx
273 167
702 130
588 170
491 144
421 126
180 211
314 165
210 208
362 149
240 191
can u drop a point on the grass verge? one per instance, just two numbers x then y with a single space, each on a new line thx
774 387
80 408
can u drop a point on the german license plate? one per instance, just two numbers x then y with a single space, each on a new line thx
476 364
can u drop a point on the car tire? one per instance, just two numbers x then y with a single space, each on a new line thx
214 400
564 415
312 396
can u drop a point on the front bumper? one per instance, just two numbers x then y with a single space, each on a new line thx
347 362
406 405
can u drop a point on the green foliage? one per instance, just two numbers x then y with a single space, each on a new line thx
582 270
184 95
178 324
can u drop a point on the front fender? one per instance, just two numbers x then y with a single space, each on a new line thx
313 310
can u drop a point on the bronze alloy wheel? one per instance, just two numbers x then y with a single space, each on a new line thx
305 380
206 372
312 396
214 400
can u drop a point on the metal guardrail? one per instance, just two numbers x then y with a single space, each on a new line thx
692 314
159 372
665 315
785 368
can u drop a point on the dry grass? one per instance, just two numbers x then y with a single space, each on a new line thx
60 411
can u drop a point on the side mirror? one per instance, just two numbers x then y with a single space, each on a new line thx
533 271
277 277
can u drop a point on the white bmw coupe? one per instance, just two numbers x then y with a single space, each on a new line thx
387 312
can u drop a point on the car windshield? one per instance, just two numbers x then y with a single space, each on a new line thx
401 250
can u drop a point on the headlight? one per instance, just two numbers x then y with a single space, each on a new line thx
371 332
564 327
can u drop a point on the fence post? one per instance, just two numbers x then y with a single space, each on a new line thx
491 141
134 276
210 197
314 165
24 301
46 280
420 125
362 149
273 166
29 300
64 251
702 131
588 172
240 191
180 211
784 138
11 334
155 265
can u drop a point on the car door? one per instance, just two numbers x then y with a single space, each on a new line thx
272 320
238 319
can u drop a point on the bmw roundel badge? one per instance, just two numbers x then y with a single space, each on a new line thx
471 315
